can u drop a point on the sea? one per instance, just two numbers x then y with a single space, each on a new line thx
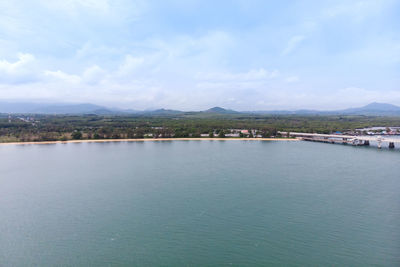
199 203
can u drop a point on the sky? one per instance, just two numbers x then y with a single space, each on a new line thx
193 55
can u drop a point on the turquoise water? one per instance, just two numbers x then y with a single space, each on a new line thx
199 203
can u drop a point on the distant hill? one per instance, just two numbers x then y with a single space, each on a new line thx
287 112
20 107
161 111
374 109
220 110
72 109
42 108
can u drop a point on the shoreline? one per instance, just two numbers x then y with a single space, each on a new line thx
146 140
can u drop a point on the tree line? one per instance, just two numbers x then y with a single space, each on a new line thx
23 127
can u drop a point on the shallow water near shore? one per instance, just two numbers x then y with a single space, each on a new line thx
180 203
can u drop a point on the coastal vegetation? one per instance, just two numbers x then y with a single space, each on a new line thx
34 127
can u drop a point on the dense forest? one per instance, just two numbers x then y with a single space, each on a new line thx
25 127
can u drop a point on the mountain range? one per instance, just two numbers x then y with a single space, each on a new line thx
373 109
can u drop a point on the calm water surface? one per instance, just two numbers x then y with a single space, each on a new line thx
187 203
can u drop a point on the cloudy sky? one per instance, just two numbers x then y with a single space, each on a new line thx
192 55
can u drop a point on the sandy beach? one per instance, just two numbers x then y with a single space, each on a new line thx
147 140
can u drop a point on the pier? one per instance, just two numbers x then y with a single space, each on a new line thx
345 139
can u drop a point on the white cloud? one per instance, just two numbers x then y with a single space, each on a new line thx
355 96
72 7
230 83
380 52
357 10
336 99
21 71
293 43
94 75
129 65
189 71
91 50
292 79
59 75
251 75
17 66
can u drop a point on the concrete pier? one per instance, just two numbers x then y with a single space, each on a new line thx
345 139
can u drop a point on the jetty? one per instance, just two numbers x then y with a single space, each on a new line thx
345 139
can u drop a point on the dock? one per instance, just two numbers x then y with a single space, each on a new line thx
345 139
